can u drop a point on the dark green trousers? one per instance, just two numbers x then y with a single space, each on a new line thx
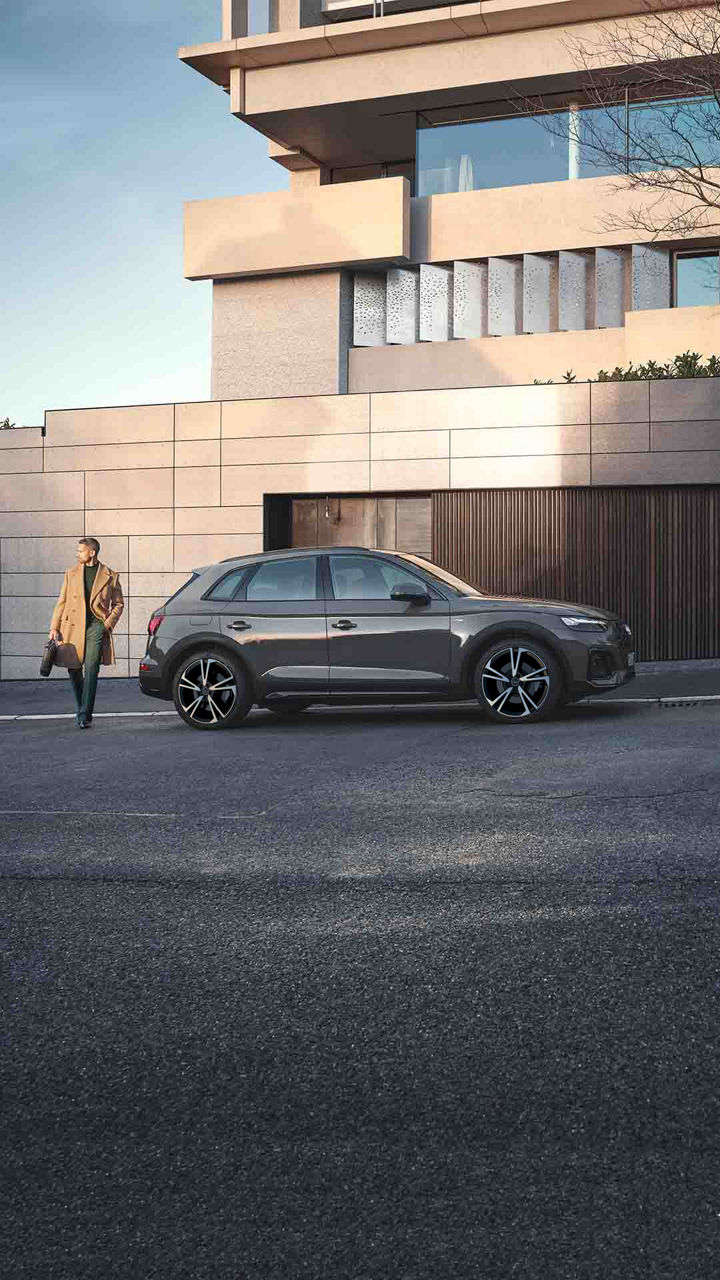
85 684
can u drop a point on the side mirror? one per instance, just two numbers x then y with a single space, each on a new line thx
410 593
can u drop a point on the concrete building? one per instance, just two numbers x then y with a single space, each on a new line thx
377 329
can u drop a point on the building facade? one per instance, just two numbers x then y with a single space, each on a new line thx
379 327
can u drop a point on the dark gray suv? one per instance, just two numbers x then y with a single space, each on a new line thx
348 625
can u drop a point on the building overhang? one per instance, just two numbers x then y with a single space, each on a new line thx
332 93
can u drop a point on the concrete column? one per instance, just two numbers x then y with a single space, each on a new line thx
234 19
403 311
540 293
611 300
573 140
369 309
576 290
651 273
505 298
436 303
470 299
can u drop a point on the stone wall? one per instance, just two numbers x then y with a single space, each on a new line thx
168 487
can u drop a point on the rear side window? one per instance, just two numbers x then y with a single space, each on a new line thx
227 586
180 590
278 580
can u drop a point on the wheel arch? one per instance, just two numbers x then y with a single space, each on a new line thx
196 644
504 631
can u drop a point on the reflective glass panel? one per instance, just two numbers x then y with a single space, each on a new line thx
697 280
519 150
678 132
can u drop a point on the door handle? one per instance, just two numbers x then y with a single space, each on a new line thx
239 626
344 625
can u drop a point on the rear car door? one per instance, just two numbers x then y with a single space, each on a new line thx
278 620
379 645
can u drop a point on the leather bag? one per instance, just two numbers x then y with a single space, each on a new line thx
48 658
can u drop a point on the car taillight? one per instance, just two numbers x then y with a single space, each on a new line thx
154 622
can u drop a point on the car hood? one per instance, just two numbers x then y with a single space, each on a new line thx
533 604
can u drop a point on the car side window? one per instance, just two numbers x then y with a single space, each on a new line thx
226 588
367 578
278 580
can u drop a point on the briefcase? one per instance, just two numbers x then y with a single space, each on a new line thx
48 658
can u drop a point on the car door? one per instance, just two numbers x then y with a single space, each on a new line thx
278 620
380 645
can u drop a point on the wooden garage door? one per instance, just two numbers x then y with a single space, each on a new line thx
649 553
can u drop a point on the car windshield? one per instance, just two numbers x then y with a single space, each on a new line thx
442 575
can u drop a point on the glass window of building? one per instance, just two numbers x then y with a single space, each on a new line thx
697 279
574 141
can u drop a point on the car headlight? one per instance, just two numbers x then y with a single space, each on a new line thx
586 624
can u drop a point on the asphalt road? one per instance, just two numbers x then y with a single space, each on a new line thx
375 995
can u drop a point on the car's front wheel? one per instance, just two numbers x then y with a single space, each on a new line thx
210 691
518 680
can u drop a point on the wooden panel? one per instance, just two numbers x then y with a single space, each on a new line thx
392 523
414 525
651 554
304 522
387 523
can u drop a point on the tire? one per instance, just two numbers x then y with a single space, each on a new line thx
504 683
287 710
210 691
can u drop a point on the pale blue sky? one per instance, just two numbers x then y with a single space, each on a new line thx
104 134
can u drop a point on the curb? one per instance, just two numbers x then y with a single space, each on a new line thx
98 715
688 700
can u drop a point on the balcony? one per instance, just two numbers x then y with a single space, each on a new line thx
349 224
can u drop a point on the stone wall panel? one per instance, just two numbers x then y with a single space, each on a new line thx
197 549
128 424
41 492
197 487
198 421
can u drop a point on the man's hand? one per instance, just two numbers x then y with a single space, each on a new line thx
54 635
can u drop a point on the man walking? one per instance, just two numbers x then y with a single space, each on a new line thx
88 608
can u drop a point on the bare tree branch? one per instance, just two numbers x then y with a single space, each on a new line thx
648 114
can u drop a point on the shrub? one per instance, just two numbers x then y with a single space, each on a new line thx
688 365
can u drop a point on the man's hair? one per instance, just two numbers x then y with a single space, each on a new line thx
92 543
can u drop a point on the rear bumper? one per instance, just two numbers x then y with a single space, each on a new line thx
152 682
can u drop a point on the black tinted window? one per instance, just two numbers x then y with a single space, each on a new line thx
367 578
227 586
284 580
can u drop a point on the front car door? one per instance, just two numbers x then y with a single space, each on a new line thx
278 620
379 645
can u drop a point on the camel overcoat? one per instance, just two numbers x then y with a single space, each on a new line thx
106 603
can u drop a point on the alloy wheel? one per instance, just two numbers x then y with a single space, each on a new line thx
515 682
207 691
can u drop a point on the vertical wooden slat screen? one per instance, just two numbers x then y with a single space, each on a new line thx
651 554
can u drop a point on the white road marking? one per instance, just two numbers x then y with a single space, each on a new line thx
87 813
98 715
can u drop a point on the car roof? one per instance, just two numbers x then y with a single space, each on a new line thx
287 552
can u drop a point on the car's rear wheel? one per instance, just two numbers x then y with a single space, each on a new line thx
210 691
287 710
518 681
